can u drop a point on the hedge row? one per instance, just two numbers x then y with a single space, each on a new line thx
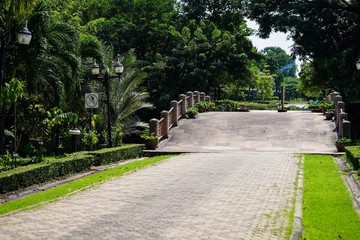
110 155
353 156
22 177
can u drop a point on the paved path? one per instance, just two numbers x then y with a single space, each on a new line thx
255 131
239 185
194 196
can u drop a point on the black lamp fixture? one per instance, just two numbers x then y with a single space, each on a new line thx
118 69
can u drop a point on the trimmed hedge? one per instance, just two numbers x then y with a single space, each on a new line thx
38 173
110 155
26 176
353 156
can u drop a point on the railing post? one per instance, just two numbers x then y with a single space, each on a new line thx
165 115
340 105
337 98
174 104
342 118
346 128
207 98
182 97
197 97
191 99
154 126
333 95
202 97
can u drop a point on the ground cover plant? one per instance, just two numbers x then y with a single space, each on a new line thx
71 187
328 211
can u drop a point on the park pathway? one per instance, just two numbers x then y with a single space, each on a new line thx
222 193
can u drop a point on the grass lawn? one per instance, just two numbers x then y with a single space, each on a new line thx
328 211
79 184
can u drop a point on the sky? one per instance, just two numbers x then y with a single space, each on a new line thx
276 39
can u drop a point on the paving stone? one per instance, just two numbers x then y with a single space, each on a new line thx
193 196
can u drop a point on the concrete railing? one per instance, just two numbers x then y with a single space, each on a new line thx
161 127
343 126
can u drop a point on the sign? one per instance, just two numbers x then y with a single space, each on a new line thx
91 100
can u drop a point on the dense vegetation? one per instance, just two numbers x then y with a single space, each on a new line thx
167 47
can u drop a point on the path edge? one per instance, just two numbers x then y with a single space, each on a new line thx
297 225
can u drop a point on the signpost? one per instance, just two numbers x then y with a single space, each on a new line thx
91 101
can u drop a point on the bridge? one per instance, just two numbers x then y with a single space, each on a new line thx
255 131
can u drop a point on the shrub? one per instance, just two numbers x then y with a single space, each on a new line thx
226 105
353 156
192 112
110 155
38 173
90 140
205 106
25 176
6 161
146 135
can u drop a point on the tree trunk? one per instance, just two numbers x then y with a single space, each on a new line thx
2 128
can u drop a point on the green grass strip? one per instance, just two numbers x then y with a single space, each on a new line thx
328 211
76 185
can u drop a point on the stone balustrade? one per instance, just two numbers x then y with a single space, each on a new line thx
343 126
161 127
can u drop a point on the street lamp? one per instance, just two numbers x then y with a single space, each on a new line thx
119 69
74 133
358 65
23 38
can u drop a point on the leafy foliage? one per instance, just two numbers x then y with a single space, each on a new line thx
325 32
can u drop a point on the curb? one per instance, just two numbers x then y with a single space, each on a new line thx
296 233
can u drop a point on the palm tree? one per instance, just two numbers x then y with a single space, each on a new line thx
126 95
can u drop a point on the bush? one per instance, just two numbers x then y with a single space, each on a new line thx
25 176
205 106
90 140
353 156
232 106
110 155
192 112
38 173
226 105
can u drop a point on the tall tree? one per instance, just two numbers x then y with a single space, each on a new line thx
279 64
226 14
326 31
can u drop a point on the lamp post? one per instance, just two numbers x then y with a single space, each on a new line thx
74 133
118 68
23 38
358 65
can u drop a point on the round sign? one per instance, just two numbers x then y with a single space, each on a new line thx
91 100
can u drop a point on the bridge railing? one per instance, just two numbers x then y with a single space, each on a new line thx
343 126
169 119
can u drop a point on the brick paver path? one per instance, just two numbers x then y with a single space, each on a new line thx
194 196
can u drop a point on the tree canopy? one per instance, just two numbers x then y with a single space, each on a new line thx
327 33
176 46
